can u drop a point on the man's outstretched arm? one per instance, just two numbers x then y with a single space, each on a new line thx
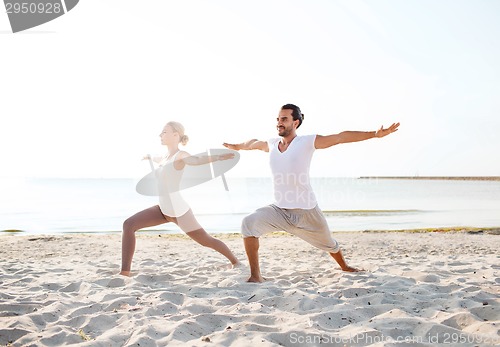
248 145
352 136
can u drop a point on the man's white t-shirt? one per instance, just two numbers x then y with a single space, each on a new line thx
292 188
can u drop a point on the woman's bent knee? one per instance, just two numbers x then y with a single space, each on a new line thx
128 226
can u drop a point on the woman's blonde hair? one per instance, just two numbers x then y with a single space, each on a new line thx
179 129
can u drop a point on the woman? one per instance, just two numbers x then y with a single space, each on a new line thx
172 207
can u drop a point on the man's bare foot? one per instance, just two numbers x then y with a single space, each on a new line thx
125 273
351 269
255 279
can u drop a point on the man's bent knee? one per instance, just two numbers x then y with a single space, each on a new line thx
250 226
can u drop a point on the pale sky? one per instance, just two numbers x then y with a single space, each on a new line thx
87 94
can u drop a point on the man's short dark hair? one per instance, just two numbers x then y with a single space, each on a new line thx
296 113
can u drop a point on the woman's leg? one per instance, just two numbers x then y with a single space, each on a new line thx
149 217
192 228
204 239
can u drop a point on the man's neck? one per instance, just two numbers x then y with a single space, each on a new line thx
286 140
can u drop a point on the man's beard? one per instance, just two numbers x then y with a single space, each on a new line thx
284 132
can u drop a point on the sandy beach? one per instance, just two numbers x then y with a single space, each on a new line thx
423 289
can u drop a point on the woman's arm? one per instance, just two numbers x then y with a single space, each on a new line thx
248 145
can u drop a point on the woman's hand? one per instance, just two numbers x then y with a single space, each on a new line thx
224 156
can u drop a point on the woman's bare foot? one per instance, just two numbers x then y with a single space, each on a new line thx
236 265
125 273
230 266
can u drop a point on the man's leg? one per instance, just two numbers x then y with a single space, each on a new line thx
313 228
252 250
322 241
339 258
264 220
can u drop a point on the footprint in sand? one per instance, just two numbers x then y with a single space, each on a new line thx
73 287
111 283
228 282
9 335
487 312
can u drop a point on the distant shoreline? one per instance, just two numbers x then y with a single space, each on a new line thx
237 234
446 178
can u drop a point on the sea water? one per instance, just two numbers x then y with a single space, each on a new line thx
54 205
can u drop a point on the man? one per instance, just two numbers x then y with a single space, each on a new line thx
295 209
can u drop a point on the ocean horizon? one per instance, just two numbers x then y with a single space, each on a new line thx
100 205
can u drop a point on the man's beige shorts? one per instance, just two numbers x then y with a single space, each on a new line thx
309 225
